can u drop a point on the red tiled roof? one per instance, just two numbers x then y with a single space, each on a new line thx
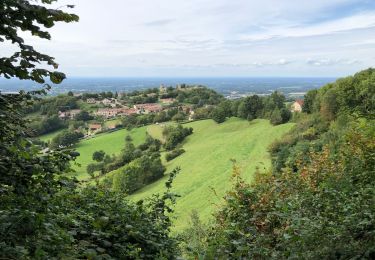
300 102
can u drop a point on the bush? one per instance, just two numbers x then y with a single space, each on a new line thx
138 173
173 154
66 139
218 115
175 135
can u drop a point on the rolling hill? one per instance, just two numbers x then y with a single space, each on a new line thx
206 167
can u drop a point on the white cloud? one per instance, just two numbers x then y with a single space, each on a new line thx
216 37
355 22
329 62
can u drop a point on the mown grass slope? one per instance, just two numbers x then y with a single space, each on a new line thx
48 137
206 167
111 143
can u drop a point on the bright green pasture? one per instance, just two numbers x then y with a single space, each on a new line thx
111 143
50 136
206 167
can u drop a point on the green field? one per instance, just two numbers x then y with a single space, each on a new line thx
48 137
206 165
111 143
112 122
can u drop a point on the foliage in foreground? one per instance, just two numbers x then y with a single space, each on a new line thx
325 211
319 200
45 215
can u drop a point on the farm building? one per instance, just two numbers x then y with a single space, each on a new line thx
167 100
148 108
94 128
69 114
297 106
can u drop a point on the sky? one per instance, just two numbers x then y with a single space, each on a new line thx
214 38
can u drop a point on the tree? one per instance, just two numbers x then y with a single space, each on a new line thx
66 139
47 125
91 168
83 116
329 106
178 117
138 173
218 115
128 139
285 115
309 100
250 107
127 154
98 155
23 15
276 117
175 135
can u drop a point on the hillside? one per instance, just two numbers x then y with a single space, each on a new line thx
206 165
110 143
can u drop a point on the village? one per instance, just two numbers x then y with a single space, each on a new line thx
106 113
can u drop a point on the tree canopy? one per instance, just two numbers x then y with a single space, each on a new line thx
30 16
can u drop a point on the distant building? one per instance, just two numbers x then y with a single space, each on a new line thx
162 88
69 114
106 102
297 106
167 100
91 101
107 112
148 108
186 108
74 112
128 111
191 115
94 128
111 126
112 112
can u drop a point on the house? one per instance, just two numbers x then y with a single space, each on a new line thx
62 115
297 106
162 89
167 100
107 112
128 111
186 109
111 126
106 102
91 101
69 114
148 108
191 115
112 112
94 128
74 112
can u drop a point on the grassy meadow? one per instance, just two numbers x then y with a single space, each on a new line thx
206 167
48 137
111 143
